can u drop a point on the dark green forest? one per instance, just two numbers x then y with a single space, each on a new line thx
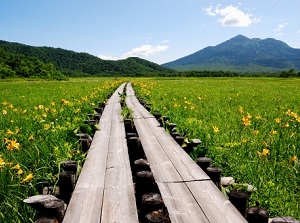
75 64
14 65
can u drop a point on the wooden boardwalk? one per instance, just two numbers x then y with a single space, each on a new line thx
104 191
188 193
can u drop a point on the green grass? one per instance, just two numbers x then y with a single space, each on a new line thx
218 111
38 120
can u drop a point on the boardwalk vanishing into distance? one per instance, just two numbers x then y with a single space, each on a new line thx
105 188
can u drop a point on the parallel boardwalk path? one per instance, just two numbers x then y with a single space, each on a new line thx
104 191
188 193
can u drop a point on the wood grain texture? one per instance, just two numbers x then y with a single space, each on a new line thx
188 193
104 191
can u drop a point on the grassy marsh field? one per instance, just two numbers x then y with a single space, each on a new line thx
38 120
250 125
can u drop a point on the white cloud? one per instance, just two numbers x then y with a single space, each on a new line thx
279 28
142 51
145 50
231 16
103 57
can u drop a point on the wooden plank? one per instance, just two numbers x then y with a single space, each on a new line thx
186 167
104 191
216 207
119 203
182 207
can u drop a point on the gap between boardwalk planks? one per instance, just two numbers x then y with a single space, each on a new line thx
196 198
104 191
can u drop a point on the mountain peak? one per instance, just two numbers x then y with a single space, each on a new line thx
241 53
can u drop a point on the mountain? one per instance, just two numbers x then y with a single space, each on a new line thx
72 63
241 54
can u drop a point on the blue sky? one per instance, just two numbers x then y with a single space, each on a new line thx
156 30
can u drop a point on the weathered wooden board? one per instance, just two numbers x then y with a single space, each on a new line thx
104 191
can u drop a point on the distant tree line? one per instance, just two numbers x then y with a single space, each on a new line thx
17 65
206 73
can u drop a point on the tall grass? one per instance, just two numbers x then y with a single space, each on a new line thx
38 120
250 125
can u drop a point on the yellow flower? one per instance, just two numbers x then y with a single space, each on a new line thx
294 158
31 137
216 129
246 121
241 110
293 134
2 163
266 152
244 140
41 106
47 126
52 103
4 112
24 111
11 106
287 125
28 178
255 132
4 103
64 102
258 117
13 144
274 132
9 132
20 171
16 167
85 99
277 120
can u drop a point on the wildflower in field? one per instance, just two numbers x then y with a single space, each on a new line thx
292 134
2 163
23 112
4 103
52 104
31 138
264 153
286 125
277 120
241 110
11 106
258 117
84 99
4 112
47 126
246 120
20 172
176 105
193 107
9 132
274 132
16 167
28 178
255 132
244 140
265 144
293 159
64 102
13 144
216 129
